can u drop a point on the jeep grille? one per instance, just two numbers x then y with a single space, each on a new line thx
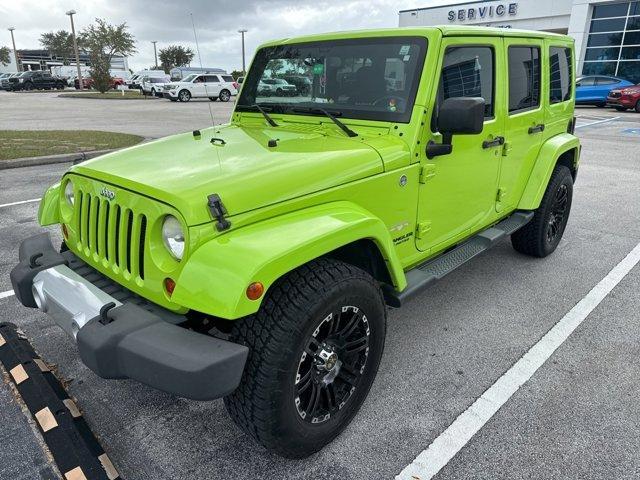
111 233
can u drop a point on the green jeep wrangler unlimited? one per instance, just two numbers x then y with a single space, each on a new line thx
254 261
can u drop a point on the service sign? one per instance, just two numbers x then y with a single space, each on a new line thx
486 12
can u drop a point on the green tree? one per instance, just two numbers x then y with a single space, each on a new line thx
175 56
58 43
4 55
103 41
236 74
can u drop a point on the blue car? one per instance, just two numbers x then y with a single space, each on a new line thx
594 89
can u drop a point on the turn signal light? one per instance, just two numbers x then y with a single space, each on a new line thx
255 291
169 285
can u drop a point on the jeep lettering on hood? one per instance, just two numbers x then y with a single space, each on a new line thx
244 170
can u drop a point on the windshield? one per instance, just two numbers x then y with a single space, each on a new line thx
369 78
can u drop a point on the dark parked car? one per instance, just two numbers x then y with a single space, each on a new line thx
36 80
594 89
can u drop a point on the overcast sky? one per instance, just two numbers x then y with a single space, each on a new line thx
217 22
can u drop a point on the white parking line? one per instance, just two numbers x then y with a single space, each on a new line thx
596 123
430 461
20 203
6 294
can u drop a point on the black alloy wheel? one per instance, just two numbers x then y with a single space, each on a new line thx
331 365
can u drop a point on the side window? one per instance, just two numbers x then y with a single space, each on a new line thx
586 82
560 74
524 78
468 72
606 81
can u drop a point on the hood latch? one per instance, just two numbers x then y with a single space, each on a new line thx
218 211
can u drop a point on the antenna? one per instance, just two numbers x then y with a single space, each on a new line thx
201 68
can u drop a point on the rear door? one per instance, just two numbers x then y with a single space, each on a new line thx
524 123
457 191
604 85
216 84
586 89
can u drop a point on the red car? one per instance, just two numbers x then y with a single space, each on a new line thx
88 83
625 98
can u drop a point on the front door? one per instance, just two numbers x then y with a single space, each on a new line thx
524 124
458 191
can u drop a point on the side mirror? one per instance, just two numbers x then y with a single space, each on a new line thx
457 116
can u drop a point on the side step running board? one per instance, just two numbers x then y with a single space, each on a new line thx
433 270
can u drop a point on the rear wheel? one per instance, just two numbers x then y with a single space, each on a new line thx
225 95
184 95
543 233
315 346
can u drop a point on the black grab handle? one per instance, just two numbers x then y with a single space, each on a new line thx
496 142
538 128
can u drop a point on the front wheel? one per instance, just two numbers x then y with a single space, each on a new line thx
543 233
315 346
225 95
637 108
184 95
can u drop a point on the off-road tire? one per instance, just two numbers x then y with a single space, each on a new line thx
533 239
264 405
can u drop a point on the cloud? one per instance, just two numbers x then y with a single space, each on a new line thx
217 22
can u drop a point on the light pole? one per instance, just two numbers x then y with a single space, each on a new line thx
15 52
71 13
155 53
242 31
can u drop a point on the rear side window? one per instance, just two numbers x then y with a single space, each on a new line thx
524 78
227 78
468 72
212 79
560 74
606 81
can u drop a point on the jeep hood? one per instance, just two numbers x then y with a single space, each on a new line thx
183 171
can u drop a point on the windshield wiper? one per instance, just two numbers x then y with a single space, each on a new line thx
343 127
264 114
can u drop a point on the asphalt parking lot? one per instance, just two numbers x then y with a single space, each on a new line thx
576 417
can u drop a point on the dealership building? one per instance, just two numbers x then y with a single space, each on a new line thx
607 33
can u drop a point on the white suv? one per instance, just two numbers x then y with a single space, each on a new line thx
154 86
202 85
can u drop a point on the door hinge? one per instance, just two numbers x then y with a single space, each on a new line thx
427 172
422 229
506 148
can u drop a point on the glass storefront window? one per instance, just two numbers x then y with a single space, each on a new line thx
607 11
631 53
630 71
634 23
604 39
599 68
608 25
632 38
602 53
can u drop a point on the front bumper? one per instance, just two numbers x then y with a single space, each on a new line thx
120 335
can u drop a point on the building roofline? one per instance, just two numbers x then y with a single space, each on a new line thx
444 6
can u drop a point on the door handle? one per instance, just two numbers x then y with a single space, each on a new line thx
537 129
496 142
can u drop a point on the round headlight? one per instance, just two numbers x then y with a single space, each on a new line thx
68 193
173 236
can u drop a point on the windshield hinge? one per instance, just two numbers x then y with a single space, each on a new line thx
218 211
